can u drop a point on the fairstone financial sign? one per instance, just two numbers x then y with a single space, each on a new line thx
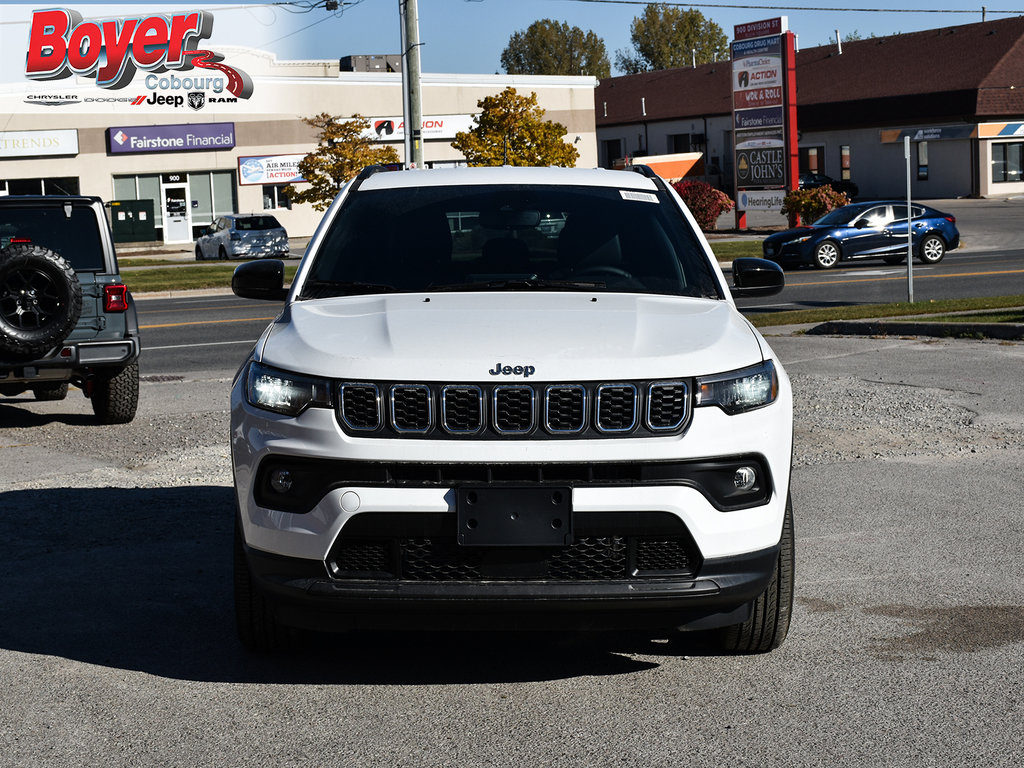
192 137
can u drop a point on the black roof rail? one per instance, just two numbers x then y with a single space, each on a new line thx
644 170
370 170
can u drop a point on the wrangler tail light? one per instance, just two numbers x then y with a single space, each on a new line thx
115 298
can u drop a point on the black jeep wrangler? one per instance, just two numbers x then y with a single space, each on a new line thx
65 314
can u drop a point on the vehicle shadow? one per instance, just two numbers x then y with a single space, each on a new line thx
140 579
22 418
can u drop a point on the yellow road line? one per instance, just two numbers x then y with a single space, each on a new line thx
904 277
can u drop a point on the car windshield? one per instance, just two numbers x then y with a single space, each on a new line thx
256 223
76 238
511 237
840 216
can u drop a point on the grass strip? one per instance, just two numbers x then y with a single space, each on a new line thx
872 311
1012 317
146 261
734 249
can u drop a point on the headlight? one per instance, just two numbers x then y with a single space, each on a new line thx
740 391
803 239
286 393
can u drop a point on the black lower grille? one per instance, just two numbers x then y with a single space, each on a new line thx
615 547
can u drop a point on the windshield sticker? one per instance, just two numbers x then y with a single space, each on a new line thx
640 197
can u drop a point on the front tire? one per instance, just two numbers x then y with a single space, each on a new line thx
115 400
932 249
769 618
826 255
257 628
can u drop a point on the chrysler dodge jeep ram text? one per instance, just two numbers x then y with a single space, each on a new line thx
512 397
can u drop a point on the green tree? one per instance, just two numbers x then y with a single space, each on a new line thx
511 130
550 47
665 37
343 150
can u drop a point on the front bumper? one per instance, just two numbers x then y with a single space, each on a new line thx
789 253
302 594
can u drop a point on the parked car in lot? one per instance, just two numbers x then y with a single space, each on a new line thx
243 236
814 180
515 427
869 230
66 316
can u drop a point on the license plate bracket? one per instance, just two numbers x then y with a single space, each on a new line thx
514 516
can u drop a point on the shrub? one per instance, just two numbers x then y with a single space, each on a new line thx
704 201
811 204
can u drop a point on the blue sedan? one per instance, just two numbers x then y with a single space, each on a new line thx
871 230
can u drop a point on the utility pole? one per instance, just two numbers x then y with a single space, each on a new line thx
413 113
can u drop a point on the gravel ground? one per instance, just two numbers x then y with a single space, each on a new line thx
117 642
837 419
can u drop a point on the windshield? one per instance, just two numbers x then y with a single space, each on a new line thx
77 238
840 216
510 238
257 223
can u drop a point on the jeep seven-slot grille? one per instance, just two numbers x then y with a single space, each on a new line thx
440 411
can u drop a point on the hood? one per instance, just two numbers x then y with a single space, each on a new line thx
465 336
793 234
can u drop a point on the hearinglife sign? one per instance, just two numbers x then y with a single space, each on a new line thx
766 160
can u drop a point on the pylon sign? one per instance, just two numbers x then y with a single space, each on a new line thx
764 110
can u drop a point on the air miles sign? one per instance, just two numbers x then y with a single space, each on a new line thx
113 51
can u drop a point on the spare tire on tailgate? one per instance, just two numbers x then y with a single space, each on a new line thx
40 300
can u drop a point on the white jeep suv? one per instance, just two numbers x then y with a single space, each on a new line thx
512 397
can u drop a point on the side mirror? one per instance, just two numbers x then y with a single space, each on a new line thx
861 224
756 277
260 280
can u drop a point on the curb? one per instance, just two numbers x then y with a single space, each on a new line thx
1003 331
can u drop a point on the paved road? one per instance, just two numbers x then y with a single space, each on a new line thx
907 646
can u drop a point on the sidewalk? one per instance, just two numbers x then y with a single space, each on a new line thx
187 251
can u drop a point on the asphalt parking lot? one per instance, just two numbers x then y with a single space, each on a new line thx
907 644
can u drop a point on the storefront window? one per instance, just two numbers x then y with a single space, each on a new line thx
201 193
63 185
213 193
274 197
149 189
1007 162
812 159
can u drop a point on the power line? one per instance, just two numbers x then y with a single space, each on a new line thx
803 7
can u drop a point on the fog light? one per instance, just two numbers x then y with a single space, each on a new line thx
744 478
281 480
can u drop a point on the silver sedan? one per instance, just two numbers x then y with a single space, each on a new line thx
243 236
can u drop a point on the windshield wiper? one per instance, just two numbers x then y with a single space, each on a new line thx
319 289
519 284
